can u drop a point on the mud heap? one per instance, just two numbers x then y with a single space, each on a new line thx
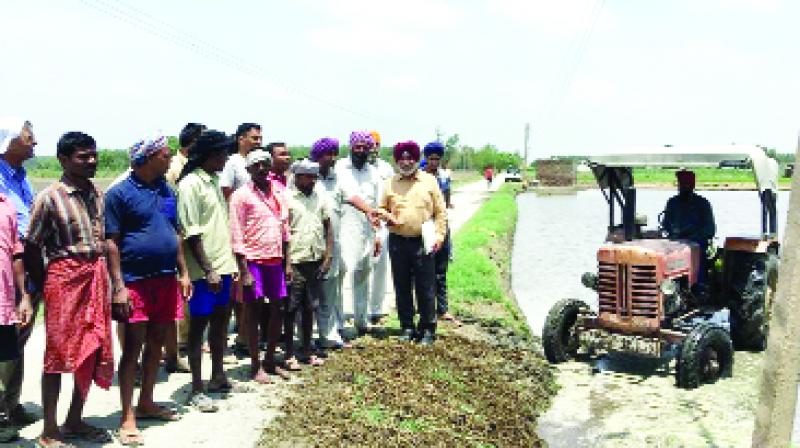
459 392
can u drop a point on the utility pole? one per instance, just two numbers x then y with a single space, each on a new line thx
438 134
778 395
527 136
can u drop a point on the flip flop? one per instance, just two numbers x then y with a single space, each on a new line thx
202 402
89 433
130 437
164 415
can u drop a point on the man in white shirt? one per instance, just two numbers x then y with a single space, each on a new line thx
358 184
330 319
234 175
380 269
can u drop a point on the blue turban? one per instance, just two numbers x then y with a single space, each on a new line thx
434 148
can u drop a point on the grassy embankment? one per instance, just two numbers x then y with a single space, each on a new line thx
480 385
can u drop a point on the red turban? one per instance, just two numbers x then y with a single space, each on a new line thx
406 150
685 178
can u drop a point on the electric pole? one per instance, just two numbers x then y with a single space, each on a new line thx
438 134
527 136
778 396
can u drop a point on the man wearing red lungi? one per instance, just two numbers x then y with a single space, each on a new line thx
67 224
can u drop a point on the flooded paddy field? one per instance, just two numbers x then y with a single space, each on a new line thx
627 402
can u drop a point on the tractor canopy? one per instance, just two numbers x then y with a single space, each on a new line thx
614 175
765 169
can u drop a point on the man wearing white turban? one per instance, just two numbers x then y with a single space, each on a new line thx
16 146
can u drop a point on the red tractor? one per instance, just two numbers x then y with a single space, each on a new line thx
650 302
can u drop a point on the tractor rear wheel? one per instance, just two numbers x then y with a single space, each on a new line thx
750 315
559 337
706 355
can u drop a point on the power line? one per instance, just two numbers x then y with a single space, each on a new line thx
154 26
572 61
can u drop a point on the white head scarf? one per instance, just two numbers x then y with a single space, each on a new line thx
10 128
305 166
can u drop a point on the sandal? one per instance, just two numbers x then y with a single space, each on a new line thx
88 433
292 365
202 402
163 414
130 437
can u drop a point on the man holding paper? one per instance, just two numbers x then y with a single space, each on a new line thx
414 210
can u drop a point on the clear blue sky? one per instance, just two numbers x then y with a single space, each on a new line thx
589 75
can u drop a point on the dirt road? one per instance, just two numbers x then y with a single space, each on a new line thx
243 414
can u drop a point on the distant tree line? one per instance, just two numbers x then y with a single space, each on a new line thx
456 156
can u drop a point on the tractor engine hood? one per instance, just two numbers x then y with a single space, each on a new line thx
671 258
629 279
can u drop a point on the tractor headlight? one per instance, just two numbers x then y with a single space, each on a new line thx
589 280
669 287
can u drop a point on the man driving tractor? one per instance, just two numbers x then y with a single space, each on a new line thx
688 216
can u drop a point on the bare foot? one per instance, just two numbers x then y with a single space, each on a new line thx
261 377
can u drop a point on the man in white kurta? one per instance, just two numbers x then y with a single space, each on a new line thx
330 317
358 186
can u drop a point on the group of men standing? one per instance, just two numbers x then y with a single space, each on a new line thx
178 241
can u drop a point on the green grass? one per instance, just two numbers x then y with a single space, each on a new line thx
478 280
52 173
704 176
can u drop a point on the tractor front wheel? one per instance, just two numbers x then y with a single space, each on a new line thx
559 338
706 355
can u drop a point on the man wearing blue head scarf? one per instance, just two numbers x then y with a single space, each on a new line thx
434 152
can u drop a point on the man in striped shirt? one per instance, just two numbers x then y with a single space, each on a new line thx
67 223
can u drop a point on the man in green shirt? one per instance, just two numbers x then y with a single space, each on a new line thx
309 254
203 219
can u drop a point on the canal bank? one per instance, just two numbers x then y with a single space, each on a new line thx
482 384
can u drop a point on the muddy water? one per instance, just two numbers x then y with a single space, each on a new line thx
627 403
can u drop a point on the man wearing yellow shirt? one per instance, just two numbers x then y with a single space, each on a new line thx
410 199
178 335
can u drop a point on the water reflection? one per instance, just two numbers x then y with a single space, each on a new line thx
557 239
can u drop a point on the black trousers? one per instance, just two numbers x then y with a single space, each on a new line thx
413 273
442 260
